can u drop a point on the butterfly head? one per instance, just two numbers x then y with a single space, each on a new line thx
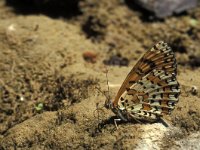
108 103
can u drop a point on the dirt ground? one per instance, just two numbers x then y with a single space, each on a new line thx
54 56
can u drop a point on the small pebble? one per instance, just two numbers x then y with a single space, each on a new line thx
90 56
194 90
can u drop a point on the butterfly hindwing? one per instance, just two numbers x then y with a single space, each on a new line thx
151 88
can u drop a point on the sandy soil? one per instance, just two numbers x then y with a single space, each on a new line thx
52 61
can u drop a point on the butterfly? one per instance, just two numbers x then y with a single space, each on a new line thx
151 89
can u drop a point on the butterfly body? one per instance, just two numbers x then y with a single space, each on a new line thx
150 90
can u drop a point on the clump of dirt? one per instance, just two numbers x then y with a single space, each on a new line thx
117 60
73 89
94 28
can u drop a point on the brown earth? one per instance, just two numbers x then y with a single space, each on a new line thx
52 61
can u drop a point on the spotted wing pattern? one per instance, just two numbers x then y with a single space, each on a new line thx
150 89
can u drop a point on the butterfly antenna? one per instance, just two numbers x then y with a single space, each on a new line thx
101 92
108 97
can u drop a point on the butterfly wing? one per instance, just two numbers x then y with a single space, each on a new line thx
151 86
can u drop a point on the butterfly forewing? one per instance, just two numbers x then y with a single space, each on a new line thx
151 88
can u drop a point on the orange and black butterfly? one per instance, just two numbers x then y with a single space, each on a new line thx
150 89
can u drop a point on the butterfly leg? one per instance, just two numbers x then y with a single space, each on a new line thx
115 122
137 120
165 122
